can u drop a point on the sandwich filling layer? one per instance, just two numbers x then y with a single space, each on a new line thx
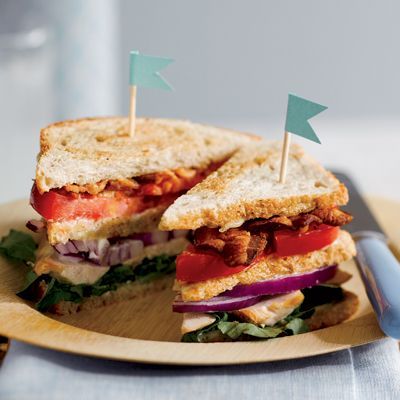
116 198
264 279
74 278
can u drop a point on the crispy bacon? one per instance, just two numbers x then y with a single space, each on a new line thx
256 246
257 225
209 239
333 216
123 184
91 188
240 246
303 222
237 246
157 184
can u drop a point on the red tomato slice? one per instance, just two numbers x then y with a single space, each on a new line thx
289 243
56 206
196 266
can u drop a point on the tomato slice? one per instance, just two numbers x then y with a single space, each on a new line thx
289 243
197 266
57 206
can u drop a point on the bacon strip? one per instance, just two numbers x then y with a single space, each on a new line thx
332 216
240 246
156 184
237 246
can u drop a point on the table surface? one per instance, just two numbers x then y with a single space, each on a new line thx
366 149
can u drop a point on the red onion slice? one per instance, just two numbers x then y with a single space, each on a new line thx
146 238
219 303
35 225
114 251
99 253
81 245
284 284
158 237
66 248
243 296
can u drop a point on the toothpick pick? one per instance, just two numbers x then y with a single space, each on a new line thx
285 156
132 111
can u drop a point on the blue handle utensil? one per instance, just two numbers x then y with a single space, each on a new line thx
379 268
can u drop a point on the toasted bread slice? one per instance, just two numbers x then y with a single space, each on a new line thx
126 291
271 267
247 186
82 228
92 149
333 314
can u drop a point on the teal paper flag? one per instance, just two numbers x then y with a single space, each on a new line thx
144 71
299 111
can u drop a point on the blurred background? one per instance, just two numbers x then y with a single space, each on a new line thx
235 62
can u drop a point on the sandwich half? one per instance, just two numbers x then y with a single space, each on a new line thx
263 259
101 194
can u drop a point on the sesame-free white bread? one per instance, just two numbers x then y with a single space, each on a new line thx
84 228
126 291
93 149
247 186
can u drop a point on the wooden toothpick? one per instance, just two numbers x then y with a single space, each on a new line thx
132 111
285 156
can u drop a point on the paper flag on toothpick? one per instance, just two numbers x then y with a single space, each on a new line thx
144 71
299 111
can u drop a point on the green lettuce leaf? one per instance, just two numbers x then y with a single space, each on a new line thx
18 246
31 279
148 270
228 328
296 326
205 334
236 329
57 292
154 268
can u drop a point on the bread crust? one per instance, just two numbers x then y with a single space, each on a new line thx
333 314
89 150
270 267
126 291
247 187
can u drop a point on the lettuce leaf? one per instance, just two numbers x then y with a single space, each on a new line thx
56 292
204 335
296 326
18 246
148 270
226 327
236 329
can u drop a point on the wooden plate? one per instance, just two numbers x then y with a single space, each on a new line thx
147 331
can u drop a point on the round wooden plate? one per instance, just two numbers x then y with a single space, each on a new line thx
147 331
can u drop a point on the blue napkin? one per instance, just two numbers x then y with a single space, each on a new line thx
366 372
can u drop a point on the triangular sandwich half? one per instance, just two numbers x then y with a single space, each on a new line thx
101 194
263 260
